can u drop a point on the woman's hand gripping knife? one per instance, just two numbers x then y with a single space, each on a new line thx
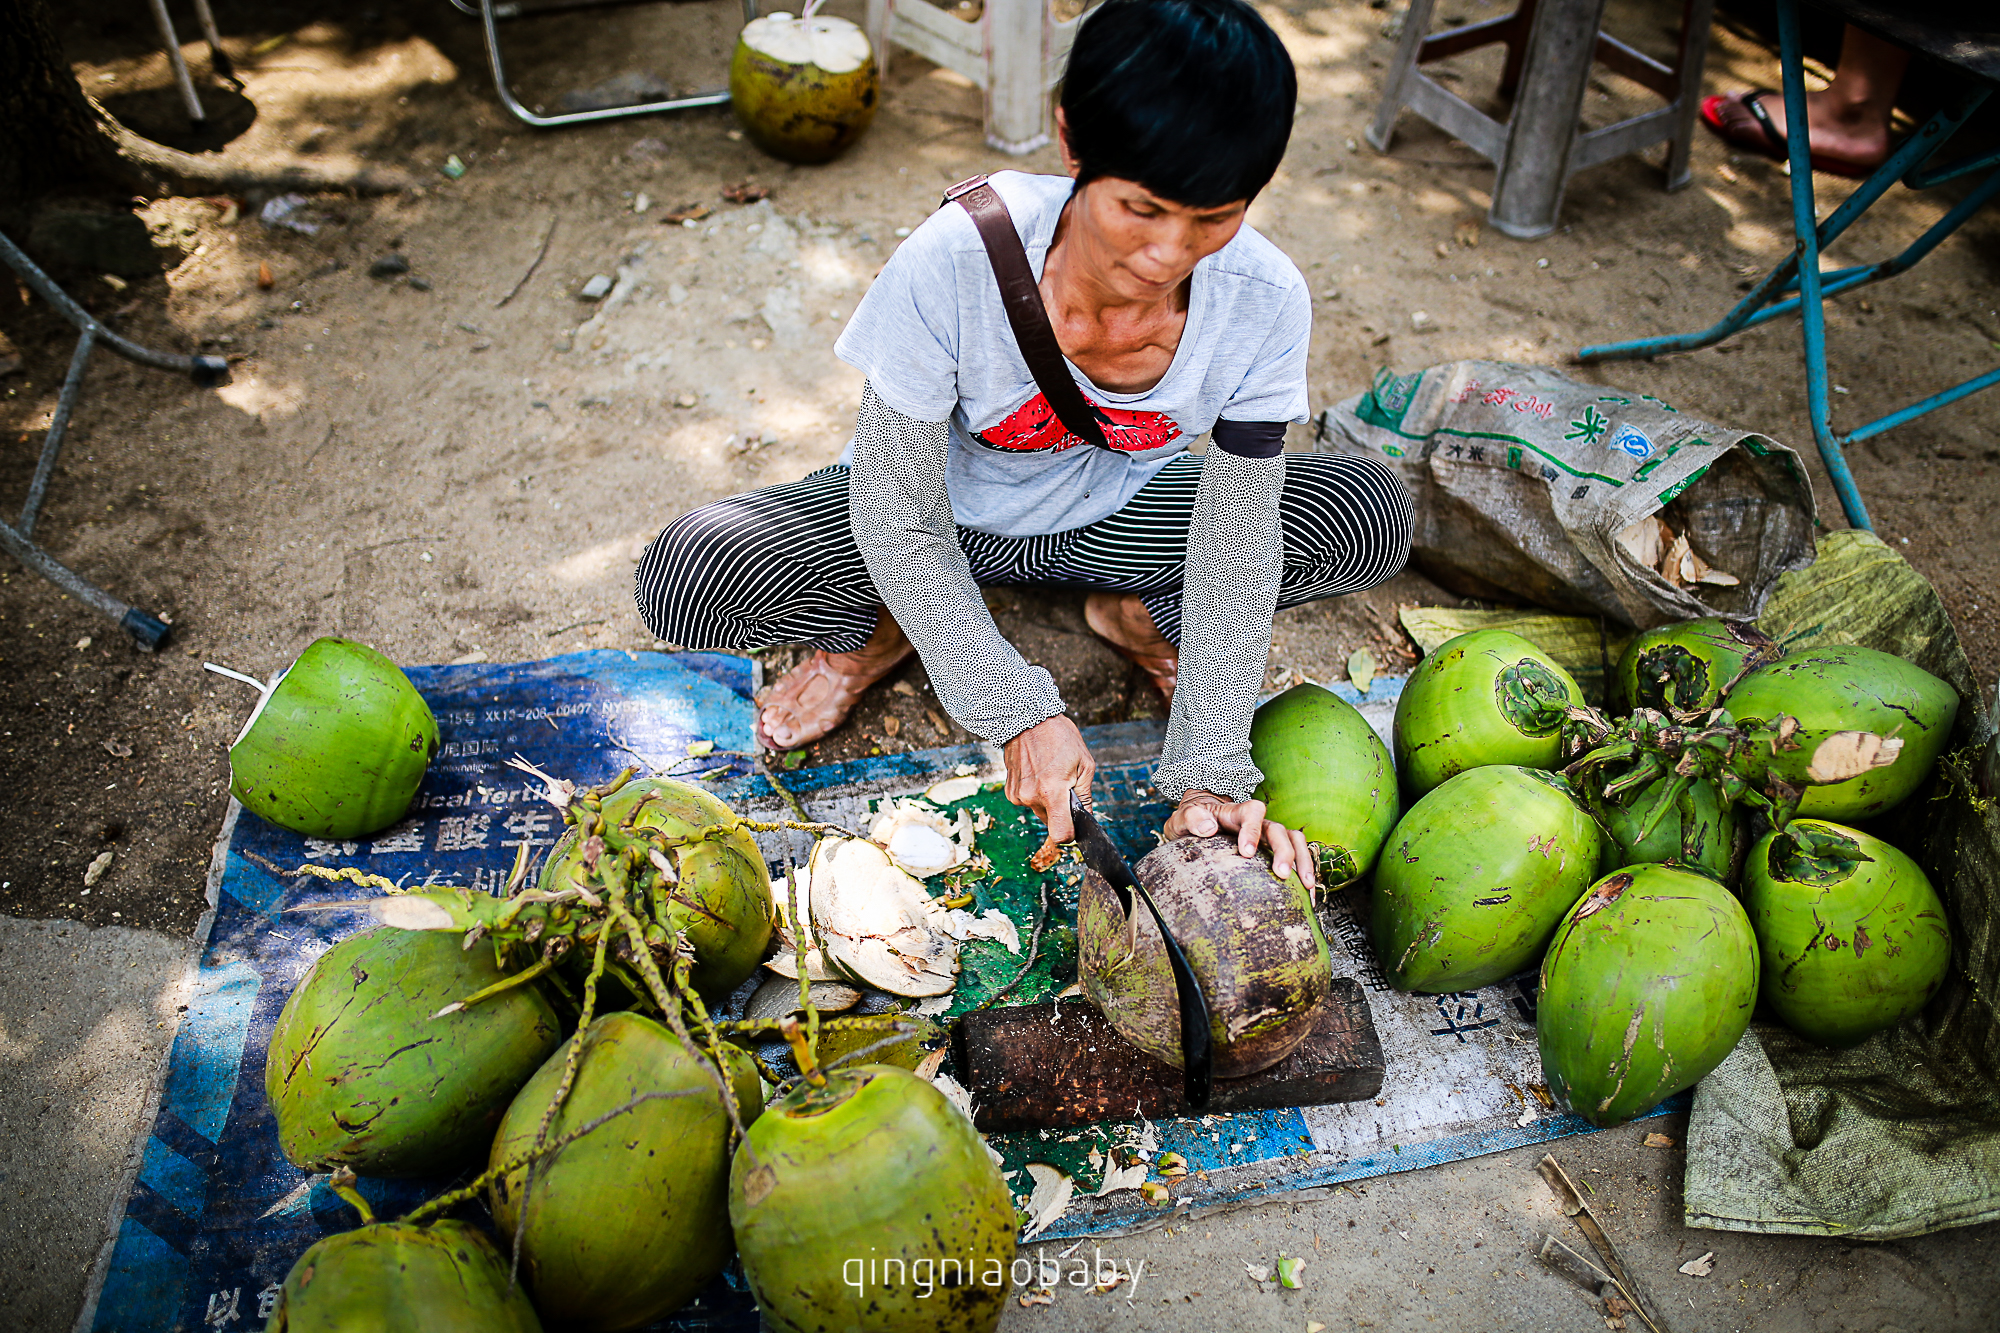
1045 764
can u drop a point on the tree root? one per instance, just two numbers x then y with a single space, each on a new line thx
147 167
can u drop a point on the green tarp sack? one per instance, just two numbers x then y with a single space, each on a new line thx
1900 1135
1578 497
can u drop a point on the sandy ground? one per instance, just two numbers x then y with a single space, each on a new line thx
450 475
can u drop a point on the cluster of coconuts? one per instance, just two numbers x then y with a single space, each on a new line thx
625 1160
1656 923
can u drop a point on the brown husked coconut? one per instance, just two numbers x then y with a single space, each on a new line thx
1251 939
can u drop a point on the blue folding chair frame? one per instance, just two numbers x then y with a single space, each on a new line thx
1799 272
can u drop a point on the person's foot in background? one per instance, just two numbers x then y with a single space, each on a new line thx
1848 120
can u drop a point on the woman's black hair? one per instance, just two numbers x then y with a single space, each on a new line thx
1193 99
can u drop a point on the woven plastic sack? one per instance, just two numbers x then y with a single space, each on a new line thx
1531 486
1901 1134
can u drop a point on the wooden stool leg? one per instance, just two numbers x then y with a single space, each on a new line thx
1518 29
876 20
1696 16
1528 190
1017 95
1416 22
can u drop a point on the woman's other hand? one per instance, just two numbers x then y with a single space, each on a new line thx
1045 764
1203 814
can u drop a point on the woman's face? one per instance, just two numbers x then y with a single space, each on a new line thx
1138 245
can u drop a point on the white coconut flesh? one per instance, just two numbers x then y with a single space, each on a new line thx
835 45
786 964
873 921
920 839
952 789
258 711
992 924
781 893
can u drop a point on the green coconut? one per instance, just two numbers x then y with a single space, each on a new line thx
721 899
803 88
338 747
626 1224
1688 667
1851 933
1649 983
1262 964
1488 697
1700 831
871 1203
1846 688
362 1070
1327 774
387 1277
1478 875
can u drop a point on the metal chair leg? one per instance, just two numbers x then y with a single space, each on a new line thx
207 372
489 15
1805 227
175 59
218 59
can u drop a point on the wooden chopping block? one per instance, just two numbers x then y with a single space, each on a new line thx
1052 1066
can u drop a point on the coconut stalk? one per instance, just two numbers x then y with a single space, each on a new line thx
1614 760
613 909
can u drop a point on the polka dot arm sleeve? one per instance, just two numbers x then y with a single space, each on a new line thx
901 517
1235 557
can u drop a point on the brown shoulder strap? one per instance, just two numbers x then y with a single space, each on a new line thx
1022 298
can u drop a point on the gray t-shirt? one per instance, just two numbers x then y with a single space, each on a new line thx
932 337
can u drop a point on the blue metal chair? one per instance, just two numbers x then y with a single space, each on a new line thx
1797 284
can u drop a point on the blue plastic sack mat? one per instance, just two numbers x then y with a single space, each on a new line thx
216 1215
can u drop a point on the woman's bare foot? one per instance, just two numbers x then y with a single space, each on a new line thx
1847 122
1841 132
816 696
1122 620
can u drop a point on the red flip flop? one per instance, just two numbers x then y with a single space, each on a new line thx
1762 135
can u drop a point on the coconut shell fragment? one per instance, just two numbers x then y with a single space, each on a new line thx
873 923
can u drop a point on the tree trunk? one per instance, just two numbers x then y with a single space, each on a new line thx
50 131
53 133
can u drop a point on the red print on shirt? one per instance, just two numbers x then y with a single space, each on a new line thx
1034 427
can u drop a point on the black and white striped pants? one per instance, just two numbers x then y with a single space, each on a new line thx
780 565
